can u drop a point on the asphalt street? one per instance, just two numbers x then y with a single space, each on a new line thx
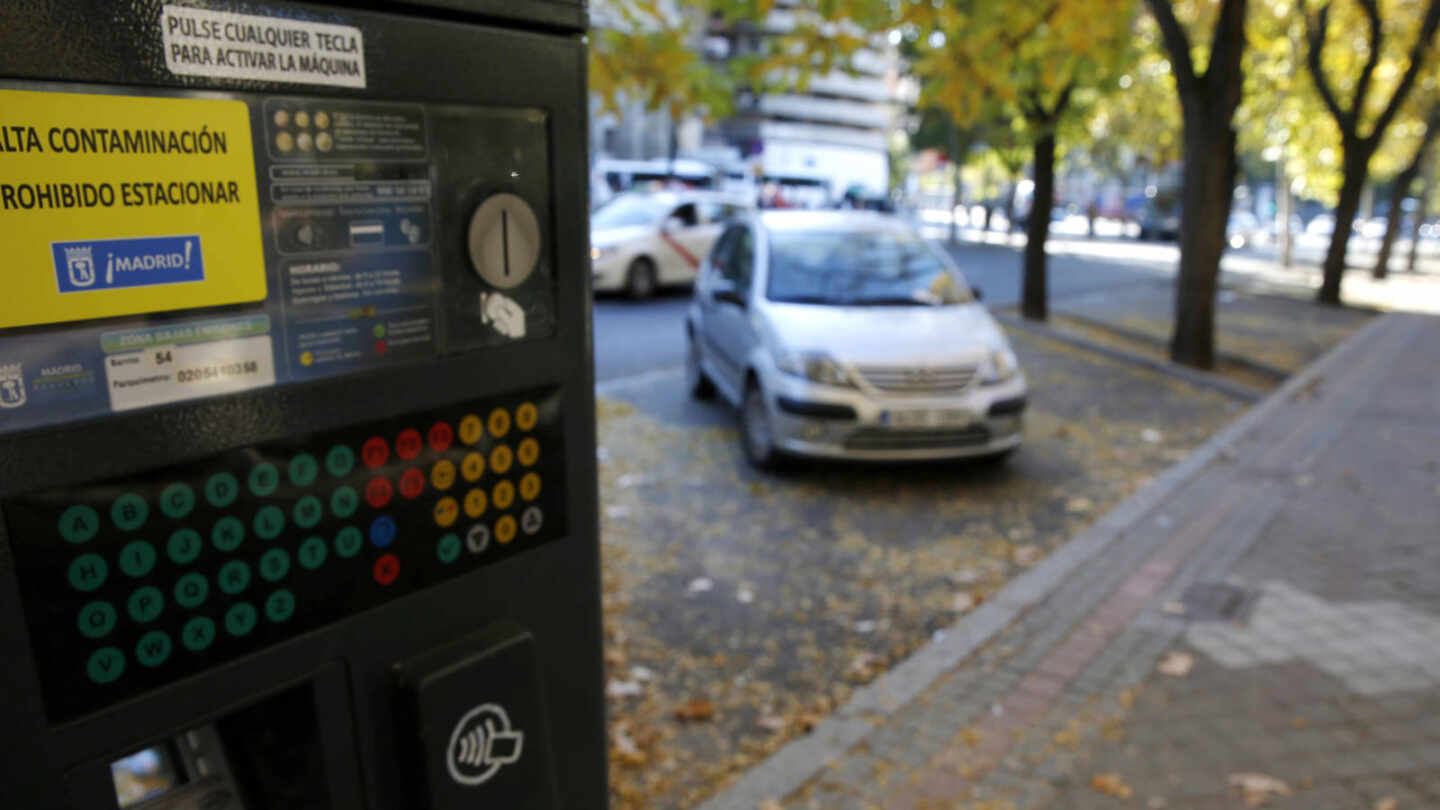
633 337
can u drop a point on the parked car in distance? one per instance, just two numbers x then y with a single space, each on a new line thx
1244 229
640 242
847 335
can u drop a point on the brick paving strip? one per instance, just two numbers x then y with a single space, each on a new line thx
1080 628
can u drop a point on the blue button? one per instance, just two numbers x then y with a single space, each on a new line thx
382 531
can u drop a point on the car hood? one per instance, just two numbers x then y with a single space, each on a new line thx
888 335
608 237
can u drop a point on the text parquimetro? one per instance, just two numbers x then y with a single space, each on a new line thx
118 205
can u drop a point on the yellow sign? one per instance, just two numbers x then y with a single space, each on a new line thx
118 205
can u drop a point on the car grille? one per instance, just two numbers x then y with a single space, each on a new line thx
918 379
881 439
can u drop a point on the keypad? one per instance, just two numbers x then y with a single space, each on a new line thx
130 584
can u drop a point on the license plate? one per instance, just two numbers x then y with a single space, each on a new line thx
927 418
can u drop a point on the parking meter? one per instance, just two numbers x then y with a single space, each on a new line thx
297 469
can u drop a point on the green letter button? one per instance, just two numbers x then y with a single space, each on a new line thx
448 548
340 461
153 649
234 577
129 511
303 469
269 522
198 633
312 553
308 511
177 500
227 534
97 619
280 606
146 603
137 558
240 618
88 572
191 589
78 524
105 665
184 546
347 542
263 479
343 502
274 564
221 490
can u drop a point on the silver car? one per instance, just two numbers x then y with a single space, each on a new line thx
847 335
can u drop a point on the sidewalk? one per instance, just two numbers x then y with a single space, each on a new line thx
1294 557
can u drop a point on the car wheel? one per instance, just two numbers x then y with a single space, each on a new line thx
699 385
755 432
640 280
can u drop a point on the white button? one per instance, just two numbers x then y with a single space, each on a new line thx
531 520
504 239
477 538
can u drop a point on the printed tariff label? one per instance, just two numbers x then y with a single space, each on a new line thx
119 205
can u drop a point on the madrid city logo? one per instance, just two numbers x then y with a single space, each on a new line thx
80 265
12 385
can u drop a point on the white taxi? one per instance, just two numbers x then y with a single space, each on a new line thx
640 242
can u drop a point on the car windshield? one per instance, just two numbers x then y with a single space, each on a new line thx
860 268
626 211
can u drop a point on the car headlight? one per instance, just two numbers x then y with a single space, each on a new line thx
1001 366
814 366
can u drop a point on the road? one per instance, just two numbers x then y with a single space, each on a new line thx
635 337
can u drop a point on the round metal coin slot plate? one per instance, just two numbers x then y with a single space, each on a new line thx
504 239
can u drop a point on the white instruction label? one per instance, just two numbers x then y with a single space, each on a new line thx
160 374
221 44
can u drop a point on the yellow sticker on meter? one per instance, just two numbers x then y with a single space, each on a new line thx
120 205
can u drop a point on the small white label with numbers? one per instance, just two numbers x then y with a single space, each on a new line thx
171 373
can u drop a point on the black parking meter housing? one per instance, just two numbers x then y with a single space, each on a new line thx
326 538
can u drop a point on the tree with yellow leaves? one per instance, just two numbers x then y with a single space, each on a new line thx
1044 62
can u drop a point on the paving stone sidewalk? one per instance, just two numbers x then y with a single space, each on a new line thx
1295 558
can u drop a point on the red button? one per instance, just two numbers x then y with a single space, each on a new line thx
374 452
387 568
408 444
378 492
440 437
412 483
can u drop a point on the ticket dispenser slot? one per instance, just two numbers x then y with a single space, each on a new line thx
297 438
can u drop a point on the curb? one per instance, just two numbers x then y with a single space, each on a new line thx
1263 369
802 759
1201 379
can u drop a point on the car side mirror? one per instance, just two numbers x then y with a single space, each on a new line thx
725 291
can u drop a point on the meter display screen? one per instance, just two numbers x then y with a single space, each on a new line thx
129 584
145 774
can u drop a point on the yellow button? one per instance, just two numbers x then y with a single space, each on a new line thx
529 452
501 458
443 474
504 495
505 529
475 503
499 423
473 467
526 416
446 510
471 428
530 486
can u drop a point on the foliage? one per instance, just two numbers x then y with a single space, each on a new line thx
1142 115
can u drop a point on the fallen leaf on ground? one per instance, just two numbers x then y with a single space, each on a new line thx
865 626
966 576
807 722
1111 784
623 689
1079 506
1150 435
771 722
1026 554
770 804
1176 664
864 667
625 749
1157 803
1387 803
695 710
744 596
1173 608
1257 788
963 602
700 585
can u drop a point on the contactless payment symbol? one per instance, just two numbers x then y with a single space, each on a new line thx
481 744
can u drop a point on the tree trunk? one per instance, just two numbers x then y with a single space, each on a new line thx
989 212
1033 303
1396 218
955 160
1010 208
1426 182
1207 194
674 149
1357 163
1284 209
